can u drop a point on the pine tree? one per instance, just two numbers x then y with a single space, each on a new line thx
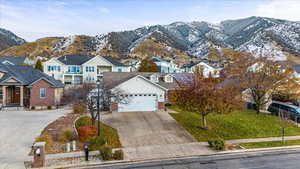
39 65
148 65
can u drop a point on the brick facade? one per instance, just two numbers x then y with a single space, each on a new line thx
161 105
36 100
114 107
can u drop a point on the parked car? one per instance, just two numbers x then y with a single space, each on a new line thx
290 111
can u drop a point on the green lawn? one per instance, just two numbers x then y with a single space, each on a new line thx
238 125
270 144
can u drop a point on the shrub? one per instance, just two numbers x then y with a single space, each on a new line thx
48 139
79 108
217 144
32 108
66 136
106 153
96 142
86 133
118 155
83 121
49 107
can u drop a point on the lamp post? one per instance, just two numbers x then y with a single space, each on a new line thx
98 105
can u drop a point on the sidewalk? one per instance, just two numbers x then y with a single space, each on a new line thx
262 139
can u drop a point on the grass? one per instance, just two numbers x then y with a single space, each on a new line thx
242 124
111 134
270 144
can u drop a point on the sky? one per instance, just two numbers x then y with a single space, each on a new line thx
34 19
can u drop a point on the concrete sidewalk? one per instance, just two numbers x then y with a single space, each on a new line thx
262 139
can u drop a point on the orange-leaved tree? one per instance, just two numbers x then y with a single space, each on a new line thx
260 78
207 95
147 65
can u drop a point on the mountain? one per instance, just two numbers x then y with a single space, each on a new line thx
8 39
180 41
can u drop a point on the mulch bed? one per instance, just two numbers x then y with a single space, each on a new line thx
56 128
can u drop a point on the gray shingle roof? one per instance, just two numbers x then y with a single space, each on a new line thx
113 61
74 59
26 75
13 59
113 79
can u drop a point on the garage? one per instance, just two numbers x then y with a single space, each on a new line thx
139 102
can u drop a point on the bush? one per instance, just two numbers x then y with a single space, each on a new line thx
83 121
86 133
217 144
49 107
106 153
118 155
66 136
32 108
96 143
48 139
79 108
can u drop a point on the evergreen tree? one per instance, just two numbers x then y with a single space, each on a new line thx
39 65
148 65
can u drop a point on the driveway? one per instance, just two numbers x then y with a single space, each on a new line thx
146 135
18 130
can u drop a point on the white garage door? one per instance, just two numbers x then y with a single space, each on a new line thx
139 102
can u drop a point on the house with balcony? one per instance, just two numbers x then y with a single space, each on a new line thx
79 69
166 66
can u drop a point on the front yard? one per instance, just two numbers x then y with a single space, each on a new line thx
242 124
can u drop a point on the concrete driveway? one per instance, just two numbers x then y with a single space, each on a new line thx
149 135
18 130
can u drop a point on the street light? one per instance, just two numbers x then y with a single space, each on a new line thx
98 104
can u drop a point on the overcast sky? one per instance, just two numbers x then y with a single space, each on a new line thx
33 19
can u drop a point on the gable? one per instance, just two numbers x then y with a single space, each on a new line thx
138 84
98 60
12 80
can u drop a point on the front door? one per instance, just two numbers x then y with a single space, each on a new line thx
13 95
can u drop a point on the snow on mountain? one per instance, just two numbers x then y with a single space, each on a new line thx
64 44
8 39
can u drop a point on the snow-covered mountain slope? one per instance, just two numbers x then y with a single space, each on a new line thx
8 39
258 35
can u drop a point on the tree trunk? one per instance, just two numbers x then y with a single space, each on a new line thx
204 125
257 108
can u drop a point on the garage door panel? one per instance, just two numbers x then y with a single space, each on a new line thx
139 102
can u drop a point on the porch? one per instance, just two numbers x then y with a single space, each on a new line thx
14 96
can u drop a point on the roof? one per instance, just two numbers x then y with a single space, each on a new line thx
113 61
113 79
13 59
213 64
26 75
74 59
81 59
156 59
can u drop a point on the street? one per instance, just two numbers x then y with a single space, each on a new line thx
260 160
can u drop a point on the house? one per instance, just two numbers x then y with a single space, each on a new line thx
144 91
24 86
15 60
166 66
79 69
208 67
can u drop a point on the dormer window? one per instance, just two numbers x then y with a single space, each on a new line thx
154 78
168 79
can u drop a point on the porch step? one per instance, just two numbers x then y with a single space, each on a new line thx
12 108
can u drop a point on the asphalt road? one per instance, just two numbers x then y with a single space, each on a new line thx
265 160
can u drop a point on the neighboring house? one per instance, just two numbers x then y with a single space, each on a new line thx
24 86
144 91
79 69
212 68
15 60
166 66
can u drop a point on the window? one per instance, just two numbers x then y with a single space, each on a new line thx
42 92
90 69
168 79
1 93
119 70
